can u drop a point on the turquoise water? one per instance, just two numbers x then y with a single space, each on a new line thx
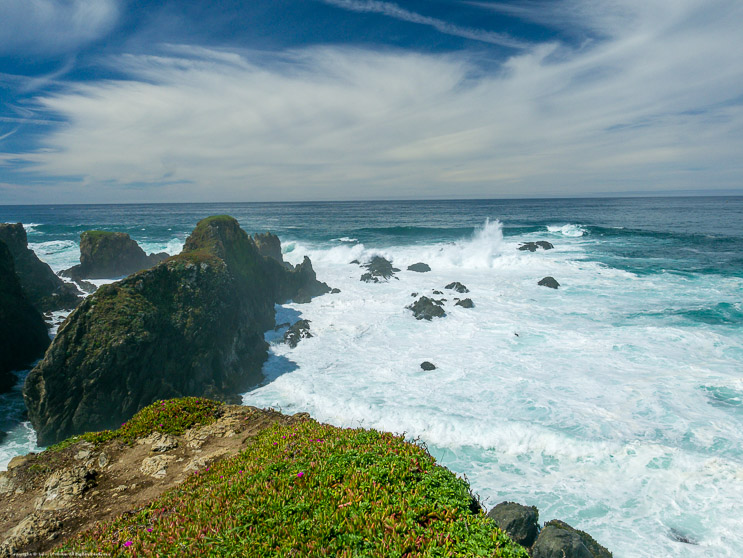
614 403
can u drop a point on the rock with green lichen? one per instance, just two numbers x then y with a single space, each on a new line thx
560 540
191 325
41 286
106 255
23 335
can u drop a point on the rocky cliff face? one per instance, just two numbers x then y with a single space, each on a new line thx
23 335
105 255
40 284
192 325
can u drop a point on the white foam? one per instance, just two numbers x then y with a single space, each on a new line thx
31 227
567 230
59 254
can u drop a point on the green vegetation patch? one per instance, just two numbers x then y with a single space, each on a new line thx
310 490
172 416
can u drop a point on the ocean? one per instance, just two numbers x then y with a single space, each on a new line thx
614 403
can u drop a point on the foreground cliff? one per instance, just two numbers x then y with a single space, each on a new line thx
192 325
23 334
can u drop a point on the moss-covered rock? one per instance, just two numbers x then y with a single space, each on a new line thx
192 325
105 255
42 287
23 335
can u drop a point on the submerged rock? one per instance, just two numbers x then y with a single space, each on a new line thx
428 366
42 287
520 522
378 269
457 286
550 282
335 291
678 536
106 255
419 267
560 540
300 330
465 303
427 308
192 325
532 246
23 334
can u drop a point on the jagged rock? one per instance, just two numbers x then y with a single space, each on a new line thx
192 325
269 245
419 267
156 466
532 246
427 366
378 269
550 282
357 262
106 255
520 522
23 334
559 540
427 308
63 486
465 303
87 286
457 286
300 330
38 525
159 442
438 292
335 291
41 286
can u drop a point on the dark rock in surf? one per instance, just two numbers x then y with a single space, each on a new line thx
87 286
678 536
428 366
550 282
427 308
335 291
465 303
357 262
532 246
419 267
23 334
107 255
300 330
191 325
559 540
520 522
41 286
544 244
378 269
438 292
457 286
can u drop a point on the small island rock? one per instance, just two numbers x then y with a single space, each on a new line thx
457 286
427 308
465 303
428 366
419 267
550 282
300 330
378 269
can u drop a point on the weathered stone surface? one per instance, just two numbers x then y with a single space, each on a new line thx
419 267
37 525
428 366
465 303
300 330
520 522
427 308
269 245
106 255
62 487
23 334
550 282
560 540
378 269
41 286
156 466
457 286
192 325
159 442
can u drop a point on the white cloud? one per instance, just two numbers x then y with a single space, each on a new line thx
53 26
659 105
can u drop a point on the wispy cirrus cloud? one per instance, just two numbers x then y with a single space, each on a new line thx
393 10
53 26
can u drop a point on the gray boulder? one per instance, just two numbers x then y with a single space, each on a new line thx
465 303
559 540
520 522
550 282
419 267
428 366
457 286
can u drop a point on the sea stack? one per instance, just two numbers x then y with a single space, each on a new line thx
192 325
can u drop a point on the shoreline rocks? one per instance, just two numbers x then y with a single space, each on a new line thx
427 308
300 330
419 267
378 269
458 287
532 246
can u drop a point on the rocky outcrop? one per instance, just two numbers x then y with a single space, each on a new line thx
465 303
300 330
23 334
269 246
378 270
427 308
42 287
192 325
549 282
532 246
559 540
428 366
107 255
520 522
458 287
419 267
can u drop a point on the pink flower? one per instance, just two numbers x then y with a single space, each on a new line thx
300 474
128 543
149 530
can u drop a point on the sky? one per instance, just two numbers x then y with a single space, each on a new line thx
124 101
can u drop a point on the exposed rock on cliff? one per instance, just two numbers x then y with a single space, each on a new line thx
40 284
519 521
105 255
269 245
192 325
23 335
560 540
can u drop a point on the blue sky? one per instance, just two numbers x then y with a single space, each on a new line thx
124 101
